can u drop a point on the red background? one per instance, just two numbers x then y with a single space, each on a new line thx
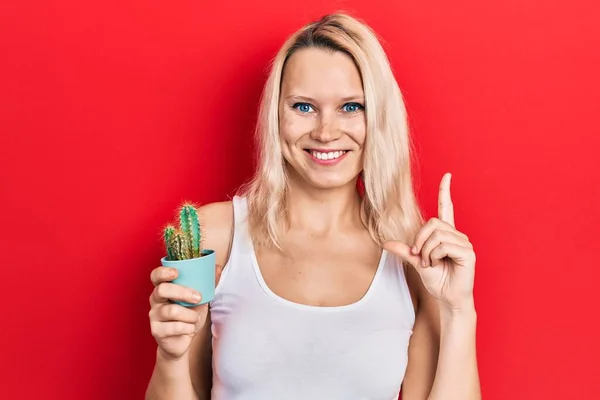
113 112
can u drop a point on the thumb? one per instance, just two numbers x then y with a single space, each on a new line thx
218 272
403 251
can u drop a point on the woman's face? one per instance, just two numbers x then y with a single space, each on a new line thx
322 118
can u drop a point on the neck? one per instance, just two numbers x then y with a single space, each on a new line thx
322 211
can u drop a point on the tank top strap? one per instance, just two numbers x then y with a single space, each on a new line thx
400 278
240 209
240 243
241 235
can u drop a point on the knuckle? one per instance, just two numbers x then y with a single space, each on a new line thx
194 318
155 295
446 225
155 329
161 312
190 329
181 328
161 291
153 276
173 311
426 250
196 328
432 252
420 238
177 329
161 274
425 227
167 329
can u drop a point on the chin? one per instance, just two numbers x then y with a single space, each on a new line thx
320 181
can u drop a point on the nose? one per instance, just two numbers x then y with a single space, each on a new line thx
327 130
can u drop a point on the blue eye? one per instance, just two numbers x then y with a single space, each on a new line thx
302 107
352 107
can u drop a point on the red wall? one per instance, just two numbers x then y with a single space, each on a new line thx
112 113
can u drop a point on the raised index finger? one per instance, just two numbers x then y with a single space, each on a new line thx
445 206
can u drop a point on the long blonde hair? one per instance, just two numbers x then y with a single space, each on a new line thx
388 205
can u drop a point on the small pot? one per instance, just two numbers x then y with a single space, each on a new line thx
196 273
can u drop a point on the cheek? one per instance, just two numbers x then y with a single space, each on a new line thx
356 128
292 127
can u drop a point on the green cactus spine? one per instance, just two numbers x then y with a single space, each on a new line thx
184 242
177 246
169 233
190 226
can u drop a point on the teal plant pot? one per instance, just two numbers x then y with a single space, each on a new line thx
196 273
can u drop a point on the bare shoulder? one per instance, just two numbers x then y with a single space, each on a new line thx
216 220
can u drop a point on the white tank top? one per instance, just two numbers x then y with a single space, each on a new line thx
268 348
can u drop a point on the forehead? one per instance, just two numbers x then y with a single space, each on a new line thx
321 74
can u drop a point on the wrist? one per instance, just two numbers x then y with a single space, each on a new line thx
466 309
168 360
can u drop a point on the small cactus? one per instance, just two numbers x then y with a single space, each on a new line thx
185 242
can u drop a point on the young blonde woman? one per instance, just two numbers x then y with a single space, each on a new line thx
332 285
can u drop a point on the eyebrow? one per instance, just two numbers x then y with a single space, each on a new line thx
310 99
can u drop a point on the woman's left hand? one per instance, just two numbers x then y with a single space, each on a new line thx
443 256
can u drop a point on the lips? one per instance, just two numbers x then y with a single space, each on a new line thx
326 154
326 157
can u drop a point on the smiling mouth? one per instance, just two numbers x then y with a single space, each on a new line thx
326 155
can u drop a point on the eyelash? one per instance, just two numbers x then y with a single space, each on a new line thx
358 105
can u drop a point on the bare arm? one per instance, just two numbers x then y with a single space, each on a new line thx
171 380
442 355
424 343
190 376
457 374
441 273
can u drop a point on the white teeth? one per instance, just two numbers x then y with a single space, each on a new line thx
327 156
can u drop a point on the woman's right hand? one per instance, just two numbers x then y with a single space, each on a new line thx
173 326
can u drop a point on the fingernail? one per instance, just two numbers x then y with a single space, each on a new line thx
196 297
423 263
414 249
